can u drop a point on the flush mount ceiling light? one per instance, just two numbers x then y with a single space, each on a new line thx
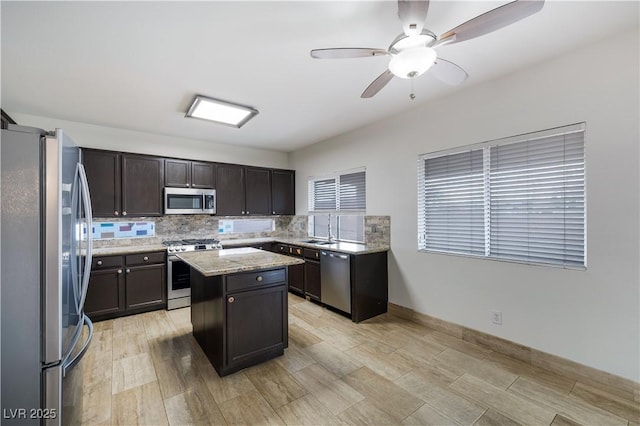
220 111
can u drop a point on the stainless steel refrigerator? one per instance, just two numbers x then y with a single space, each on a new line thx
45 245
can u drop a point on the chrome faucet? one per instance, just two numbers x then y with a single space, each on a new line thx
329 236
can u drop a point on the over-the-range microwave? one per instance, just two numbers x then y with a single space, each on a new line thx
189 201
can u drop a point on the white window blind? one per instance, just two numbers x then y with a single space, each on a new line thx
519 199
452 203
342 192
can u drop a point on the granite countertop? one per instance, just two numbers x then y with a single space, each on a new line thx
339 246
106 251
229 261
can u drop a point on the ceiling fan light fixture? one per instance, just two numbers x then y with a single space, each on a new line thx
220 111
412 62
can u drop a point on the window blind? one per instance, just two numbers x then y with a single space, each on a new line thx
519 199
537 200
451 203
342 192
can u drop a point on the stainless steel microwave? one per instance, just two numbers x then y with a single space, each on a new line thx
189 201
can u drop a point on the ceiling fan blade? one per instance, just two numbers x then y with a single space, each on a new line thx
493 20
377 84
448 72
346 52
412 14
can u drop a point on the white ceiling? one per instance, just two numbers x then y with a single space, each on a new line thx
138 65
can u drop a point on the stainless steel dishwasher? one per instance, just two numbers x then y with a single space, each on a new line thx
335 280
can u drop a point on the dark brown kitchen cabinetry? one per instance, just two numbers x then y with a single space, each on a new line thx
103 174
230 190
243 190
296 272
105 294
283 188
257 191
142 183
189 174
124 184
240 320
124 285
312 274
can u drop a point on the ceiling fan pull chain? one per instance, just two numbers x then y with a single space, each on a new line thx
412 95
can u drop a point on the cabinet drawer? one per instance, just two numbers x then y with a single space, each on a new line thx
248 280
295 251
105 262
282 248
145 258
311 254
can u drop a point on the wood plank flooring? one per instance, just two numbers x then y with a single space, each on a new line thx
148 369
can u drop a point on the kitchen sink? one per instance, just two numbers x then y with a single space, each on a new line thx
318 242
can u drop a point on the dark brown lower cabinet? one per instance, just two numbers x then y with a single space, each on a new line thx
125 285
105 295
312 279
240 320
296 279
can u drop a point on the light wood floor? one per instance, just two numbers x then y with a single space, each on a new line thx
148 369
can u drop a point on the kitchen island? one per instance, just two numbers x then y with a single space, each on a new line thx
239 305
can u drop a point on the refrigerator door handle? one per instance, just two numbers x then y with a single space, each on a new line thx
69 364
86 199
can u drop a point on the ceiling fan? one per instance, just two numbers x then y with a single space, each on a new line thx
413 52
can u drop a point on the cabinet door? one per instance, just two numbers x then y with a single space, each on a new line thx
142 183
256 323
230 190
258 191
177 173
203 175
103 174
145 286
283 188
312 279
296 278
105 294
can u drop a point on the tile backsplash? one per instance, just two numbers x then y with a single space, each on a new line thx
176 227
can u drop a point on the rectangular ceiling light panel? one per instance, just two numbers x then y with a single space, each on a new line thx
220 111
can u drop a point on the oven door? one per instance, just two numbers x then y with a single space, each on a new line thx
178 283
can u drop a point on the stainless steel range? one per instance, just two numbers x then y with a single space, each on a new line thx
178 281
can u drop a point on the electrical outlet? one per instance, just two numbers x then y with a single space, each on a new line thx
496 317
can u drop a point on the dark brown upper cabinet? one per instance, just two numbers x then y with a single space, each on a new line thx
103 174
257 191
124 184
243 190
283 189
189 174
142 183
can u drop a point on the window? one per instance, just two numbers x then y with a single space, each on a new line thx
340 192
341 199
519 199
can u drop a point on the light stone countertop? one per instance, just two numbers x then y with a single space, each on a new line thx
229 261
339 246
123 250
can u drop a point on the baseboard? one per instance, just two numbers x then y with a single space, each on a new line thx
620 386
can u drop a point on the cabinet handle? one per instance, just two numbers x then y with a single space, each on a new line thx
145 258
119 271
259 278
247 211
99 263
231 299
186 184
128 270
273 212
242 211
124 213
116 213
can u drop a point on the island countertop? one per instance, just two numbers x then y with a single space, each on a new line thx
229 261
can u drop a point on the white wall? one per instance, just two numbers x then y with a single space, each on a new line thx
591 316
91 136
